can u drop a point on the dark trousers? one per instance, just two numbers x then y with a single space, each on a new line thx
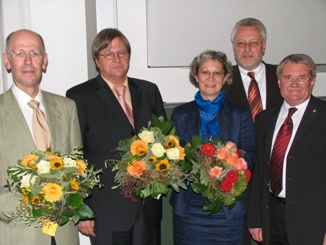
278 234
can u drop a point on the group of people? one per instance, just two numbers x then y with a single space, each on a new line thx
247 103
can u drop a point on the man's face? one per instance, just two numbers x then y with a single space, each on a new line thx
296 83
246 51
26 59
114 70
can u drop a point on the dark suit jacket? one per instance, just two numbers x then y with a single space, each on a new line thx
235 91
103 123
235 125
305 177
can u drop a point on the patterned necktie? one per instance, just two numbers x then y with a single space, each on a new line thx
121 96
40 127
279 149
254 98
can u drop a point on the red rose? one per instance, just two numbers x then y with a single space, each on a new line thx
248 175
226 185
238 152
232 176
208 149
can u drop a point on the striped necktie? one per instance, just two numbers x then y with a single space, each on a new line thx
254 98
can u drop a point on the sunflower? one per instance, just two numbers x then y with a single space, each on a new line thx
36 200
29 160
56 163
171 142
139 148
151 159
182 152
163 166
26 199
52 192
74 185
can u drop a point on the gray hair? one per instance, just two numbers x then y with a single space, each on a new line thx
199 60
297 59
249 22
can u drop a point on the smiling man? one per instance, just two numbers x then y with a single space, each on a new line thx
106 117
248 39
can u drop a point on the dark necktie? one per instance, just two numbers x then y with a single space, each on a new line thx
40 127
254 98
121 97
279 149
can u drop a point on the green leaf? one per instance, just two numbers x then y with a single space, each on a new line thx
199 188
196 141
214 206
84 212
37 213
159 188
75 200
70 170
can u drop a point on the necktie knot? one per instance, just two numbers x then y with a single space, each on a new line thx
291 112
33 104
251 74
120 90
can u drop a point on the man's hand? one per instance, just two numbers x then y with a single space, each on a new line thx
86 227
257 234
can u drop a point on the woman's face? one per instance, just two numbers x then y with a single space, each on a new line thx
210 77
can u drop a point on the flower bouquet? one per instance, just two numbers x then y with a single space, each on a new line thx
218 172
151 161
53 187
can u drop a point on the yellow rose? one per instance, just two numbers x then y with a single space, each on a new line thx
158 150
147 136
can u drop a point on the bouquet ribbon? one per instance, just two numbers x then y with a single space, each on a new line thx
49 228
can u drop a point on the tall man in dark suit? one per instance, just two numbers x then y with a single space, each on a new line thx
26 59
103 123
295 212
248 39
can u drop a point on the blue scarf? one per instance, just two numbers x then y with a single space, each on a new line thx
208 114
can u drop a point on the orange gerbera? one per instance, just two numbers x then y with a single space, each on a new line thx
52 192
81 165
56 163
137 168
171 142
29 160
163 166
74 185
139 148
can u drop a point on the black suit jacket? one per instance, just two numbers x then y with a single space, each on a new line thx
103 124
305 177
235 91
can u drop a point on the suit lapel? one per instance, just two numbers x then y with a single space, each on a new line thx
15 122
238 86
270 127
309 116
136 100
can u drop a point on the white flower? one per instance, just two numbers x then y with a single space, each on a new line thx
25 182
33 180
173 153
147 136
68 162
43 167
157 149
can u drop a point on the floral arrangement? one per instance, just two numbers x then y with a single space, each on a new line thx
218 172
151 161
54 187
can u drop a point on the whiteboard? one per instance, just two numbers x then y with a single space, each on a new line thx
178 30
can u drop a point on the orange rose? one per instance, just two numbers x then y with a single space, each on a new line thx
137 168
216 171
240 164
231 146
222 153
231 158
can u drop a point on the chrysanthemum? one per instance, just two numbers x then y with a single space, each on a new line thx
56 163
29 160
139 148
163 166
81 165
52 192
74 185
137 168
171 142
151 159
182 152
36 200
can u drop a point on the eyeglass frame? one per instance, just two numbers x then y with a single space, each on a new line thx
251 43
216 74
124 54
21 54
291 78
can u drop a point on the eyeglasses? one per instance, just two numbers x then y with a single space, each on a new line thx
111 55
21 54
252 44
216 74
300 79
